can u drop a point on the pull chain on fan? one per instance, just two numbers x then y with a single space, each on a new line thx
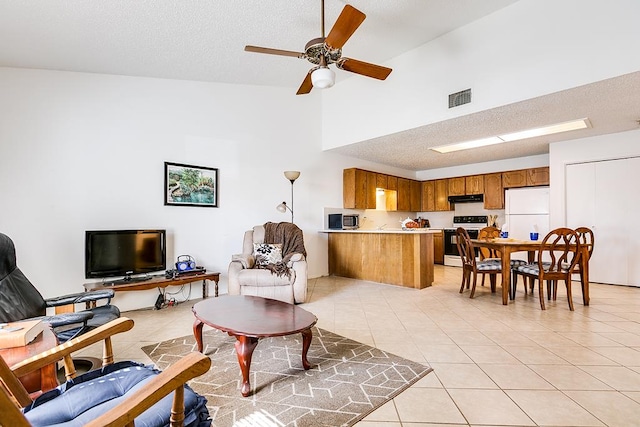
325 51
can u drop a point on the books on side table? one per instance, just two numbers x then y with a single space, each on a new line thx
19 334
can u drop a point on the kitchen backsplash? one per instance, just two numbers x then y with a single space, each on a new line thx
371 219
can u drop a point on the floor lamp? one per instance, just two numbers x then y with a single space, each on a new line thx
282 207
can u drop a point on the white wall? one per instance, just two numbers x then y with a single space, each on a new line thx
603 147
528 49
87 151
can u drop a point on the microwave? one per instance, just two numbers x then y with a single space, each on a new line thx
343 222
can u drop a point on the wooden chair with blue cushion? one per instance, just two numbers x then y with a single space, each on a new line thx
470 266
562 247
586 239
487 254
119 394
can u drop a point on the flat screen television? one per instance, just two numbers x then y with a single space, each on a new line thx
113 253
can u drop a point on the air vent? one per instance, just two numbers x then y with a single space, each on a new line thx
460 98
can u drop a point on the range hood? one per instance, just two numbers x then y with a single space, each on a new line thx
471 198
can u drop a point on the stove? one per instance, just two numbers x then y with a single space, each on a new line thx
474 222
471 223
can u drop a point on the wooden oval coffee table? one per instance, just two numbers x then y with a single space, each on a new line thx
250 318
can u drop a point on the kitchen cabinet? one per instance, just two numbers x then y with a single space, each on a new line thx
428 203
513 179
537 176
438 248
399 258
493 191
404 194
441 192
474 184
356 190
456 186
382 181
532 177
392 183
370 195
416 196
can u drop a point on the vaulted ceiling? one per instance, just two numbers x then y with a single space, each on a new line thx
203 40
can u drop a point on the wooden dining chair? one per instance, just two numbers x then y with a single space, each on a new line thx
586 239
471 266
488 233
489 254
562 247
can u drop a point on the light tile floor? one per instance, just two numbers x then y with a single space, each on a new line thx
494 365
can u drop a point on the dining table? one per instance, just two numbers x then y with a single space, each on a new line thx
507 246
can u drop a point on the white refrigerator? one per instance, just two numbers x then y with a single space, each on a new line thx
526 209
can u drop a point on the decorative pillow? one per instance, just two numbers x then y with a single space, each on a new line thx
267 253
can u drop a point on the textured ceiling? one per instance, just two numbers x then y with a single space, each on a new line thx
203 40
611 105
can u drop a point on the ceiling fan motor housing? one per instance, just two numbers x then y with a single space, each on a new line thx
316 48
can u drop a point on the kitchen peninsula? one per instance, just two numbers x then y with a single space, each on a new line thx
398 257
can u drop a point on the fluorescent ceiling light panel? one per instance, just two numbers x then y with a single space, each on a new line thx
468 144
515 136
546 130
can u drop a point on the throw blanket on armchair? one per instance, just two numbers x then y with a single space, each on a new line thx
292 240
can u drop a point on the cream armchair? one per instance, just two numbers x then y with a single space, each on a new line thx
244 279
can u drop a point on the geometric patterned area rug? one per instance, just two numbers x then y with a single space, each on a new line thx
346 382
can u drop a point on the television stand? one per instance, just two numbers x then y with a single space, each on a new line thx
127 279
158 282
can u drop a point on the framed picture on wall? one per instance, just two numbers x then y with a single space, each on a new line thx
188 185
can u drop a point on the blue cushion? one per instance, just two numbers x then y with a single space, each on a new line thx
513 262
88 396
533 269
490 264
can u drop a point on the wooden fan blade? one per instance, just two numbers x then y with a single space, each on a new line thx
359 67
348 22
306 85
268 50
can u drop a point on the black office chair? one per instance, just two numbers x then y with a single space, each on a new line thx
20 300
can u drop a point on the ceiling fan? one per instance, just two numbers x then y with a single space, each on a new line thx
325 51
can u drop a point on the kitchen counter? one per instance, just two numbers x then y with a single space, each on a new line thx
388 230
393 256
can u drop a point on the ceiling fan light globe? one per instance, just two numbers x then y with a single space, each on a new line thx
323 78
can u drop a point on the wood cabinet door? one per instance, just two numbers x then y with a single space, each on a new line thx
538 176
416 196
404 194
428 197
474 184
370 192
456 186
381 181
514 179
356 190
438 248
349 188
392 183
441 187
493 191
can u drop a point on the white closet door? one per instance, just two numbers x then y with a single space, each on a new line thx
632 192
602 196
610 253
580 191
